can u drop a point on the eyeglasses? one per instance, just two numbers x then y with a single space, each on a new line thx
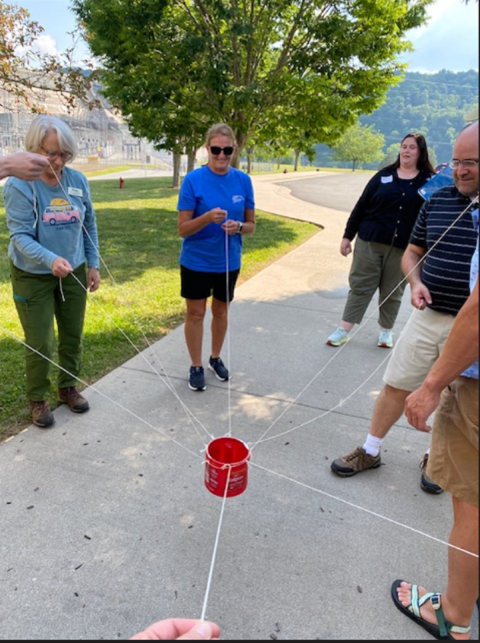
52 156
468 163
215 150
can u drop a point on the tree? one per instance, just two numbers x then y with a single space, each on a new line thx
390 155
174 67
360 144
25 73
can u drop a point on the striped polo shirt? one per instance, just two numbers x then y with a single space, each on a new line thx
445 228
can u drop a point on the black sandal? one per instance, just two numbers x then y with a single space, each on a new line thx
444 627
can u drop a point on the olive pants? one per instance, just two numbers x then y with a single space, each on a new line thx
41 299
375 266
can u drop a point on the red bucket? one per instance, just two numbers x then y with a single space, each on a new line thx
226 460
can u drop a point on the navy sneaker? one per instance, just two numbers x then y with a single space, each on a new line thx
218 367
196 378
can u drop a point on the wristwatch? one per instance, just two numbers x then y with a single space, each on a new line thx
240 227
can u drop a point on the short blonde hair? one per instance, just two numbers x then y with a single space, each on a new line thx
43 125
221 129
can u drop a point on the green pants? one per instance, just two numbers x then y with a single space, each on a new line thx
375 266
41 299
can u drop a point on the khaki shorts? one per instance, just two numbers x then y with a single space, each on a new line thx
453 459
417 349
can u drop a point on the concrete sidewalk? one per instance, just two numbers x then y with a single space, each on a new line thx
106 525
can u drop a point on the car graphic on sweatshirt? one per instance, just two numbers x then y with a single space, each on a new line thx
60 212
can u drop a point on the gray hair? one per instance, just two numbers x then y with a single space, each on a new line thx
220 129
43 125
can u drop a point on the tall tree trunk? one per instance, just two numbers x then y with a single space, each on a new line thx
297 156
241 140
191 159
177 159
249 159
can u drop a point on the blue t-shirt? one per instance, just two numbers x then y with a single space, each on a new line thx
47 222
201 191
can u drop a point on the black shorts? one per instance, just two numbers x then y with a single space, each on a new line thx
201 285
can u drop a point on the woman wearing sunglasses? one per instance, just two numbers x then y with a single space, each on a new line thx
54 260
216 209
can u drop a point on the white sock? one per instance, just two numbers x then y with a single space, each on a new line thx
372 445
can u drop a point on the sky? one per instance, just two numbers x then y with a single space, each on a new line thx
448 41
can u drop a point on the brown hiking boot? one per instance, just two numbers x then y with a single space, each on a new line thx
354 462
76 402
41 414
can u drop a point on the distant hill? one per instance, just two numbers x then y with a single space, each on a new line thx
435 104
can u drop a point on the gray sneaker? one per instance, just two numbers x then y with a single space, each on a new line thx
355 462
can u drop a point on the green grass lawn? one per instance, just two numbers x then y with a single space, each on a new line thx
140 288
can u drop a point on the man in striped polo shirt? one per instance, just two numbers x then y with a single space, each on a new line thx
437 266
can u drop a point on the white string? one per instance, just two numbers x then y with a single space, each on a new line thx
338 352
369 511
168 383
215 547
278 418
165 379
170 386
229 382
94 388
342 402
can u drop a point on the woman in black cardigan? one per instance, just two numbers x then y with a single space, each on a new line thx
382 221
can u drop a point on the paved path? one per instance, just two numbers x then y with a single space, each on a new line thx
106 525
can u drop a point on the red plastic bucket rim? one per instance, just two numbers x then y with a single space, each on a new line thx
237 443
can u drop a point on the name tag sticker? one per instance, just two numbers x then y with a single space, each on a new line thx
75 191
387 179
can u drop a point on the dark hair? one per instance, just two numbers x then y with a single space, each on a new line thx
423 163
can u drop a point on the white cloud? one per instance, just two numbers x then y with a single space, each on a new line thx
45 44
449 40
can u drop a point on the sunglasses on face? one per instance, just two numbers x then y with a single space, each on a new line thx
215 150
